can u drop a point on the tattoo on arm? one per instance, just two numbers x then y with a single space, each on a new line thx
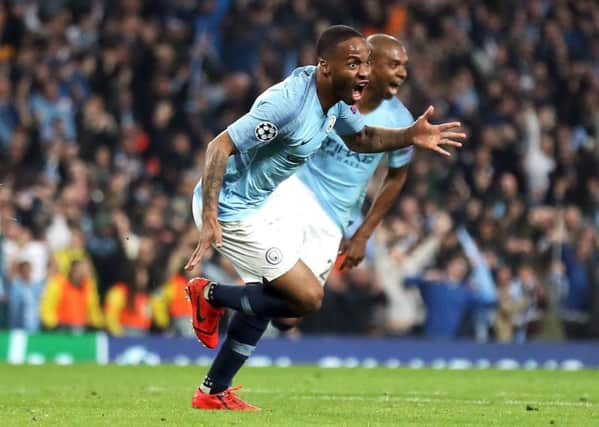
216 162
383 139
378 140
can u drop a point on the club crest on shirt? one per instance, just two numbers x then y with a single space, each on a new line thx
266 131
331 123
274 256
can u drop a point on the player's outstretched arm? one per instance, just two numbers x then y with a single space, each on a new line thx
355 249
421 134
217 154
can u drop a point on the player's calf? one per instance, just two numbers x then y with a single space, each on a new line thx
286 324
253 299
243 334
308 300
301 287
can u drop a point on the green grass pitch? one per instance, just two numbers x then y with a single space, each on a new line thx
88 395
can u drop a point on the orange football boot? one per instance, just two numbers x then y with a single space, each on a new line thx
226 400
205 317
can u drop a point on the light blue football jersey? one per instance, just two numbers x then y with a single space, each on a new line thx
338 176
284 127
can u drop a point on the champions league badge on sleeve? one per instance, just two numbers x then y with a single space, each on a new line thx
266 131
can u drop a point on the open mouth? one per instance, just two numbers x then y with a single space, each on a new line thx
358 90
394 87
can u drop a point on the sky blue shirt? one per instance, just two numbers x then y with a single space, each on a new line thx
284 127
338 176
23 302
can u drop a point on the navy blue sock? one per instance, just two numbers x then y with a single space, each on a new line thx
243 334
254 299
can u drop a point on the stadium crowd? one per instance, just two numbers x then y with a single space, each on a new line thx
106 107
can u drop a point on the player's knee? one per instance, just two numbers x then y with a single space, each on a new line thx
311 299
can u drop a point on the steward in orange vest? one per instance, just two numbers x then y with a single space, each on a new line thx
128 311
171 308
71 302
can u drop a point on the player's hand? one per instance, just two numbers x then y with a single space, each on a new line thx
433 137
354 251
210 233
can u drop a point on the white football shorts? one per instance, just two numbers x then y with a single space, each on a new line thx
322 236
290 226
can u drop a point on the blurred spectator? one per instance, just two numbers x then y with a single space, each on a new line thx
405 309
526 286
482 283
127 308
75 251
70 303
54 112
172 310
25 246
447 296
512 304
24 296
9 118
539 156
106 251
580 261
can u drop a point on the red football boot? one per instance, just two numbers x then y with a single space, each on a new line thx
227 400
205 316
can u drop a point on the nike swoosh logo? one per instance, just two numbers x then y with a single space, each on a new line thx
201 318
304 143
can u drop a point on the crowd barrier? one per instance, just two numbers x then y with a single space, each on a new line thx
18 347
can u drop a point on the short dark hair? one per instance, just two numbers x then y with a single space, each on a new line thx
334 35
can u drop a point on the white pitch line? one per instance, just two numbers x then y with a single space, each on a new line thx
549 402
457 401
414 399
